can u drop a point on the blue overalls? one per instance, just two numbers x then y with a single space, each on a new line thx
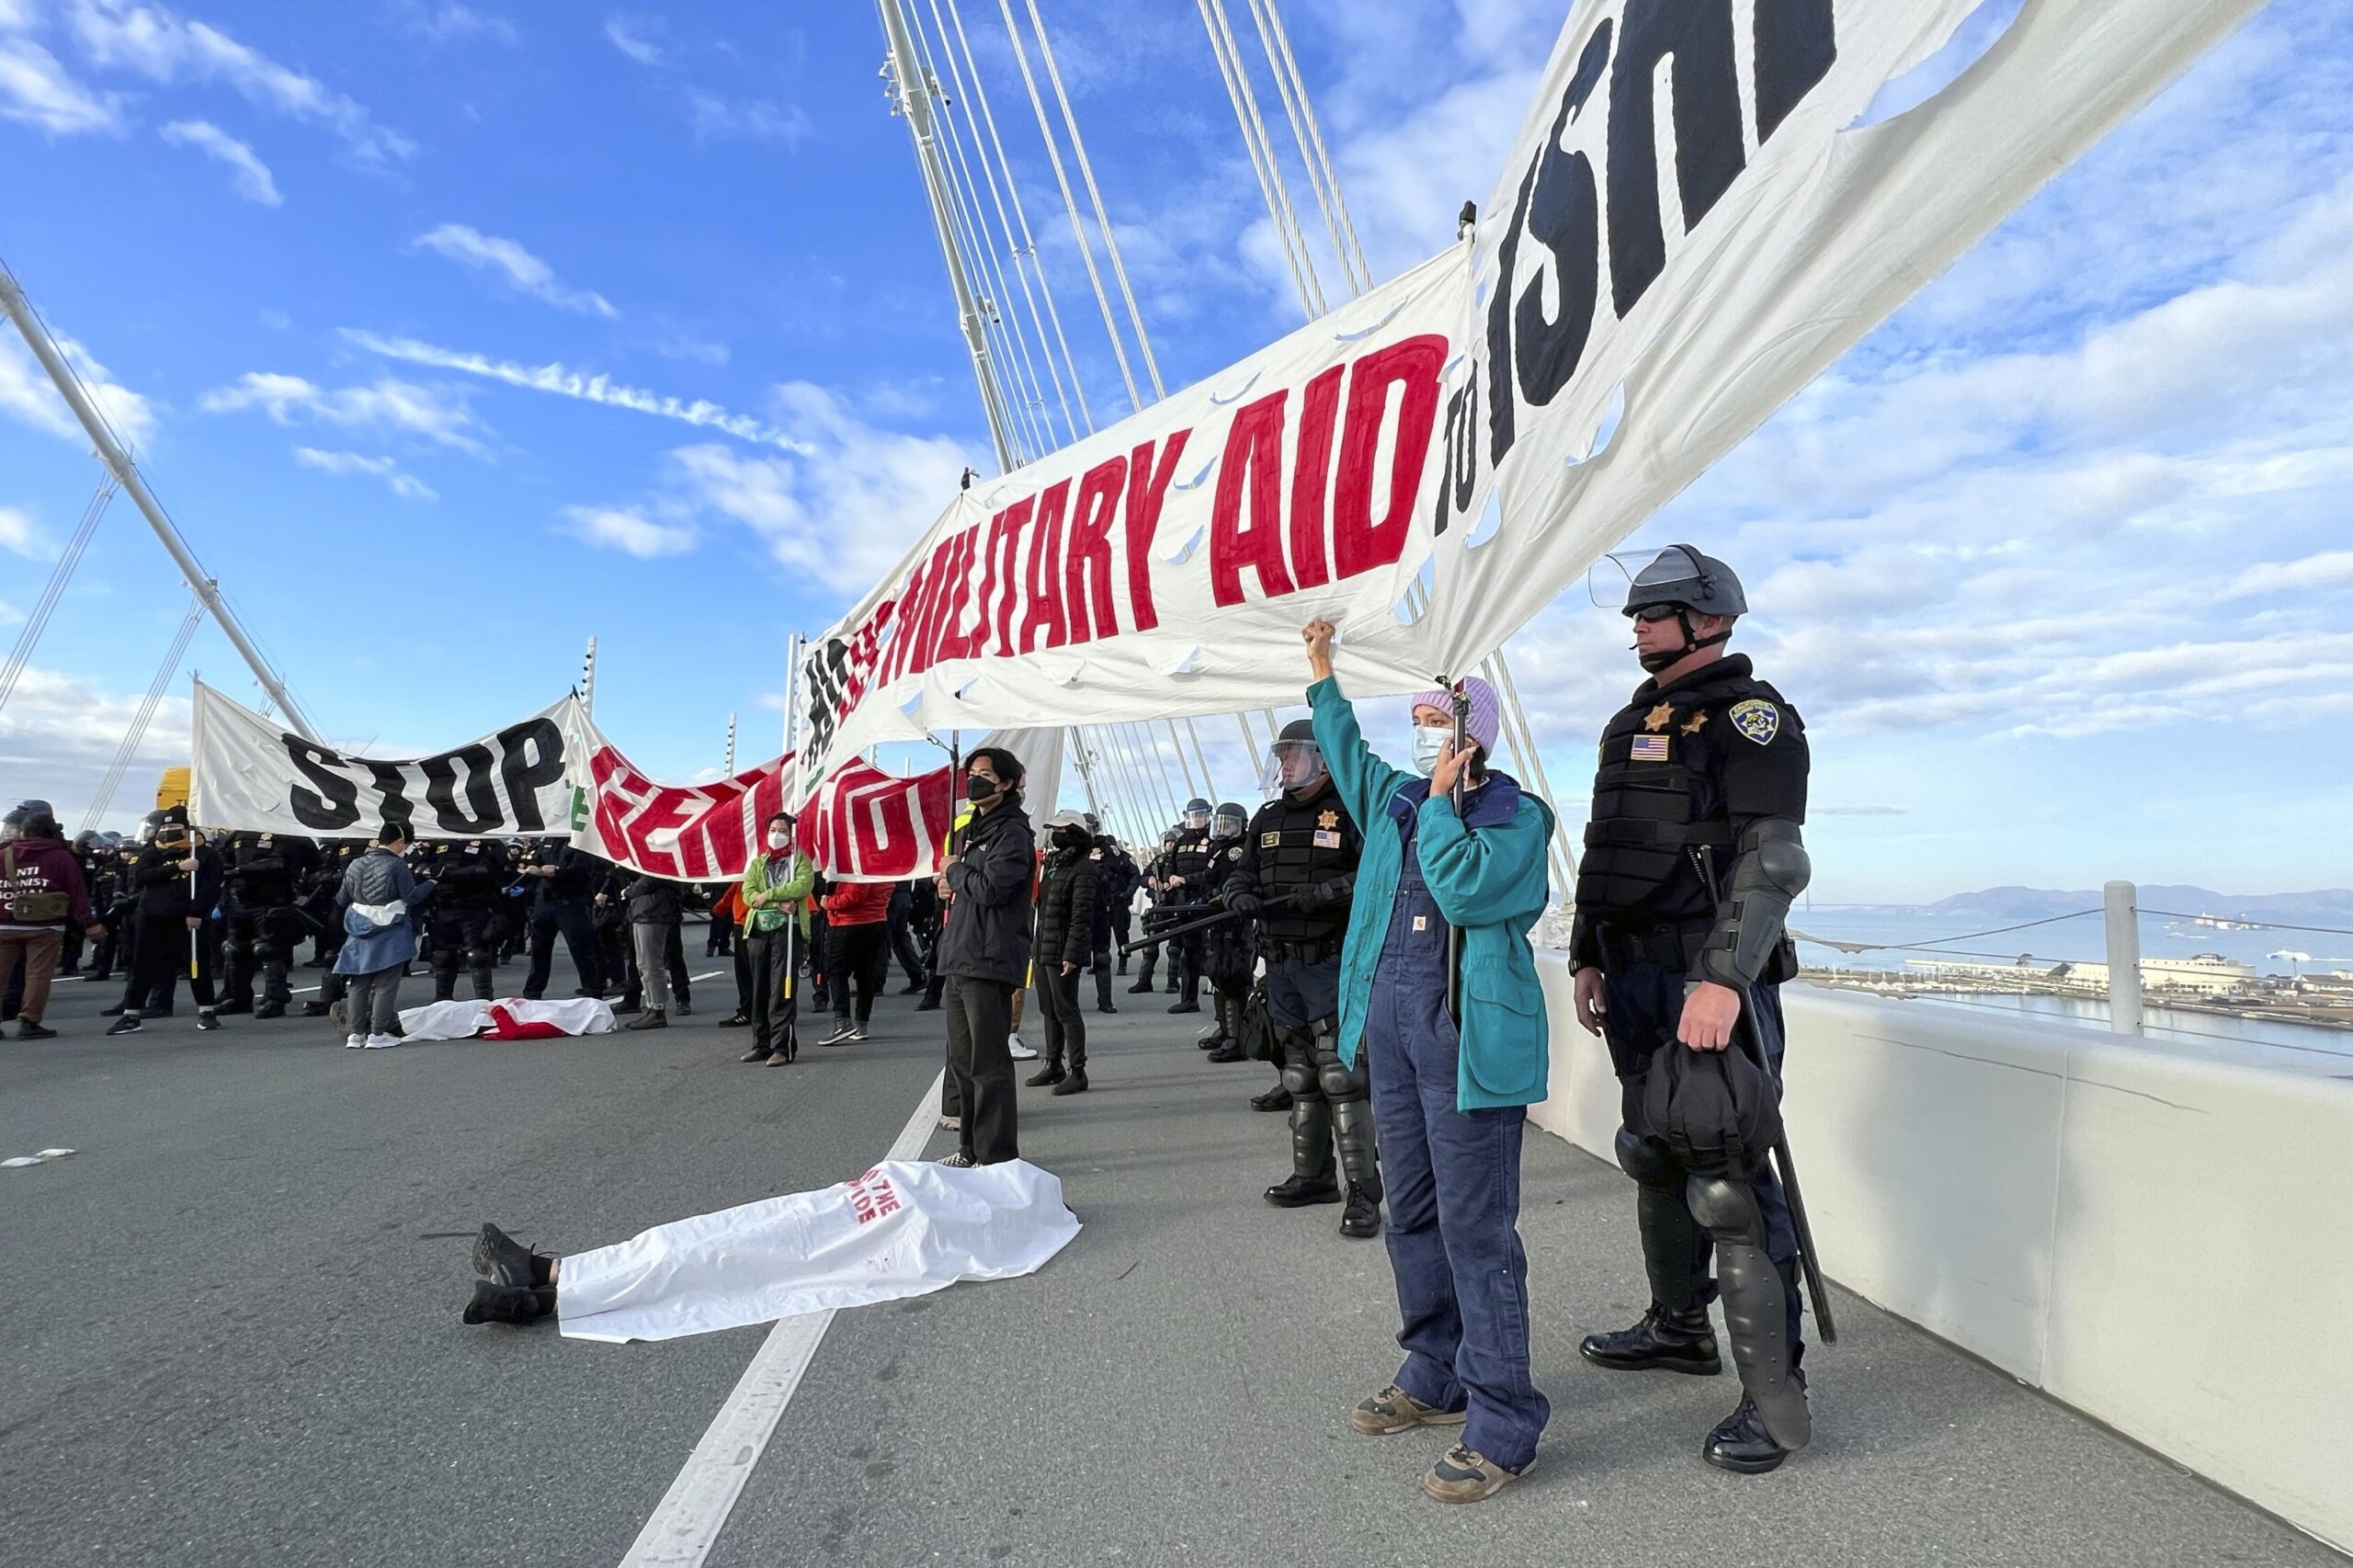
1453 1191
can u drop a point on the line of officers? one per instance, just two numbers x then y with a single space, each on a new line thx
227 911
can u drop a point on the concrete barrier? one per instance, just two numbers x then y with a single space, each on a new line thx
2153 1238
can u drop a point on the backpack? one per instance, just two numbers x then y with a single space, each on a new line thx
1715 1110
31 908
1256 1035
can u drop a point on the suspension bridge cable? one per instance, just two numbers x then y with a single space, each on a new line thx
1287 63
143 716
1102 217
1261 157
1287 90
1028 245
1070 205
1196 736
37 619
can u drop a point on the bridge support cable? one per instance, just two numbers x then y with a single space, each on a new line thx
37 619
1321 175
143 716
1262 158
117 458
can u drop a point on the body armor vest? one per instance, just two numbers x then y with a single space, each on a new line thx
1298 844
260 876
1658 798
1191 857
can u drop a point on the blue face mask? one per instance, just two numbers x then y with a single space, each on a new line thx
1429 740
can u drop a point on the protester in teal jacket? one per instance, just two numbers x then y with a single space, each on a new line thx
1489 877
1449 1104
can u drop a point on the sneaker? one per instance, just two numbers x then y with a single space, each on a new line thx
1466 1475
951 1123
353 1042
114 1012
381 1042
843 1033
656 1020
1392 1410
207 1018
1020 1051
736 1021
686 1008
857 1033
127 1023
503 1260
30 1029
516 1304
958 1161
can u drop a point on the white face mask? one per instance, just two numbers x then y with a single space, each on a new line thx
779 839
1429 740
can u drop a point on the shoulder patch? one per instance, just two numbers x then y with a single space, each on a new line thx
1235 853
1757 720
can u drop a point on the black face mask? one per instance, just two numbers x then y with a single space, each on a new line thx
978 788
1072 840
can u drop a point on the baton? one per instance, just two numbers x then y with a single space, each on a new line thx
1186 929
1744 1030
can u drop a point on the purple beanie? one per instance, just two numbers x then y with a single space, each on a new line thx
1485 713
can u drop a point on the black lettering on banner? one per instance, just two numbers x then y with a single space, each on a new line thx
532 758
1797 42
1566 216
1708 154
481 790
392 783
335 806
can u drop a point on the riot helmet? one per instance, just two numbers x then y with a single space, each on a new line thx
1296 762
1682 582
1197 814
1230 820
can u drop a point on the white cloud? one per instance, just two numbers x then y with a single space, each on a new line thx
2328 569
564 381
385 469
19 534
59 733
28 396
36 90
388 404
750 119
488 253
629 530
163 46
449 24
249 176
623 36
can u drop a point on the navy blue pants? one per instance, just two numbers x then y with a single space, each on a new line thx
1644 1003
1453 1188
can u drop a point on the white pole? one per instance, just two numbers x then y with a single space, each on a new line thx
588 679
730 770
117 462
2123 900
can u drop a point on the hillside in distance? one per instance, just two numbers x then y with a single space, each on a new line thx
2324 906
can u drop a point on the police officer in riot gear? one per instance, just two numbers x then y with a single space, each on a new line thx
264 875
1692 858
461 932
1230 951
1297 876
1156 882
1187 879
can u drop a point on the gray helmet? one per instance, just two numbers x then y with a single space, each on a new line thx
1170 836
1230 820
1196 804
1681 576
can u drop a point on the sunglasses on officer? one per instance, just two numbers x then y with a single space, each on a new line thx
1656 612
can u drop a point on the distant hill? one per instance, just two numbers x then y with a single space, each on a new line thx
2324 906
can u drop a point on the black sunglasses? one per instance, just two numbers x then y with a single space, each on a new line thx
1657 612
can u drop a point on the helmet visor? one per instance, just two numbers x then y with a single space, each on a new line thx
1293 765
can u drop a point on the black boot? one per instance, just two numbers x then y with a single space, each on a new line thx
1741 1443
1076 1084
235 1006
313 1008
1311 1159
517 1304
1052 1073
1671 1342
1674 1335
503 1260
1230 1051
1276 1099
1361 1218
271 1010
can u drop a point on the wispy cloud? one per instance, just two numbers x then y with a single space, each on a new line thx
487 253
385 469
2328 569
627 37
19 534
248 175
451 24
160 44
716 119
401 407
564 381
28 396
629 530
38 91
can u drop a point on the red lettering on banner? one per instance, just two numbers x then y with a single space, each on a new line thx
1088 554
1250 476
1006 563
1147 488
871 1197
1310 477
954 643
1044 582
991 553
925 623
1360 544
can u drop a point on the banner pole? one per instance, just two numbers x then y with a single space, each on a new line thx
588 679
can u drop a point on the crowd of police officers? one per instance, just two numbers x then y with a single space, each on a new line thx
1693 854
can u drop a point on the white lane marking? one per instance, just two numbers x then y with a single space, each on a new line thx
714 974
691 1514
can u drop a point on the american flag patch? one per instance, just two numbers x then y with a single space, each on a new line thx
1650 748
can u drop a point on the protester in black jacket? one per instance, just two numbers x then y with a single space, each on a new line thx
564 880
984 954
1067 911
178 882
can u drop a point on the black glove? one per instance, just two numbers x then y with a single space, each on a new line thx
1242 901
1325 894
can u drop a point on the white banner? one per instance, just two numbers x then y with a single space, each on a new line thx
249 773
1165 565
1701 294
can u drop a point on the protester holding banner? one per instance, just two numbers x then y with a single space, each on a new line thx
1456 1058
984 954
774 892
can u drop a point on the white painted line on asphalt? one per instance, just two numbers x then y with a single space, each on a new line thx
695 1509
714 974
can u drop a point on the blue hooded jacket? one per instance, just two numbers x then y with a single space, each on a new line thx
1489 878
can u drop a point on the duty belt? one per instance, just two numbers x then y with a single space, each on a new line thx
1670 947
1305 952
1645 833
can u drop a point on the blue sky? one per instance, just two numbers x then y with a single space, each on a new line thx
2055 563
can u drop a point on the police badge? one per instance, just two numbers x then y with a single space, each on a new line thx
1757 720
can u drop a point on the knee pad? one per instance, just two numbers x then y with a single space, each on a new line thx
1644 1159
1341 1084
1725 1205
